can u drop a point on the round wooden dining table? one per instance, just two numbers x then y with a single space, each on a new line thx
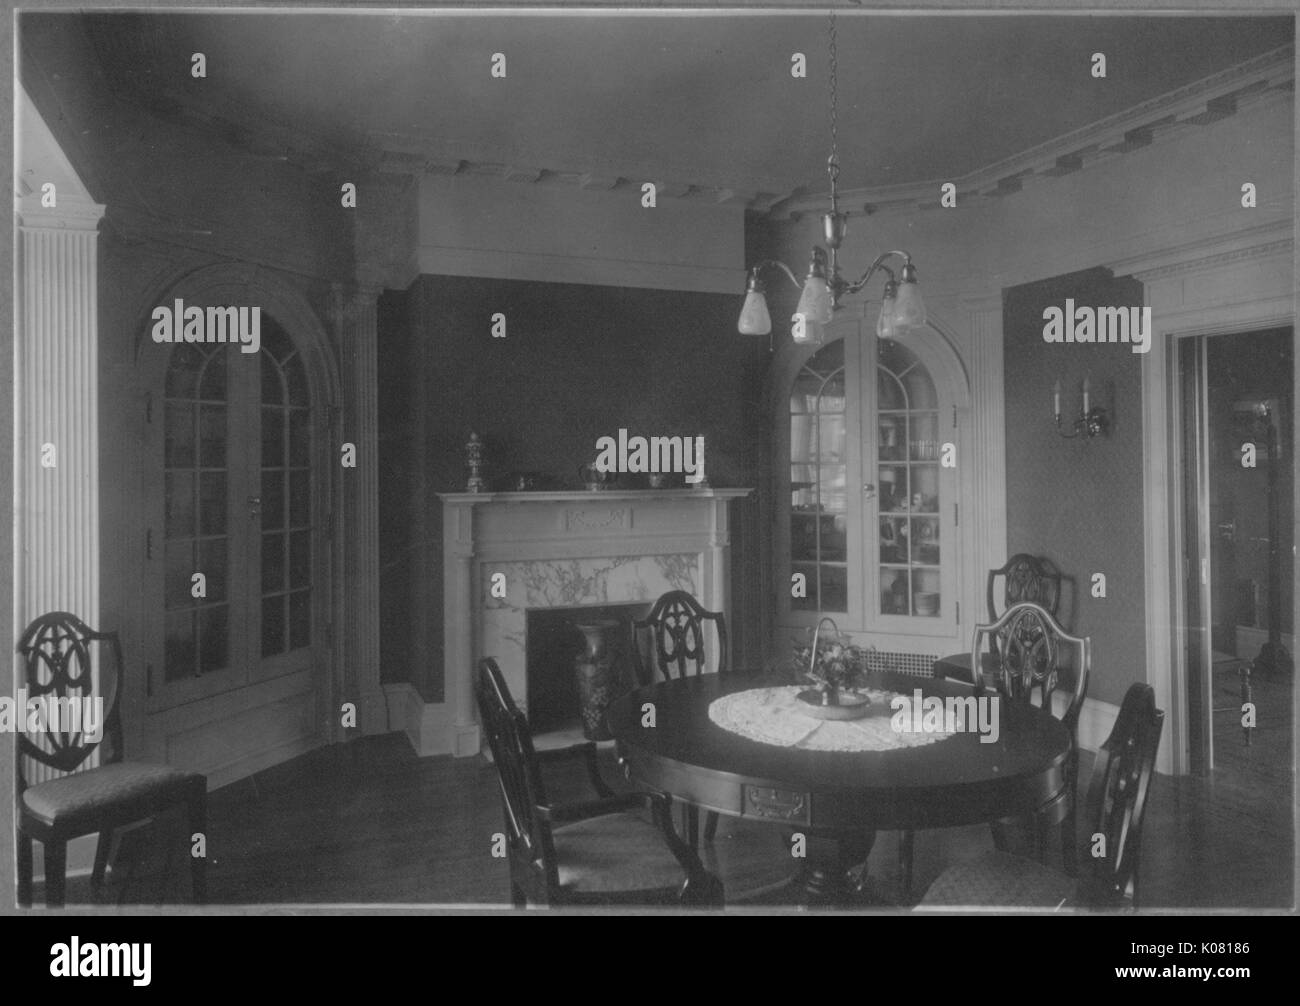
836 800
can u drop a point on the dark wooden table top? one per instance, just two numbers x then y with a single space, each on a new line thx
958 780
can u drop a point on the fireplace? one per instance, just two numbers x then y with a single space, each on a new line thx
509 556
553 644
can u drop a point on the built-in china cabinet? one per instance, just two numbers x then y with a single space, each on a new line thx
870 487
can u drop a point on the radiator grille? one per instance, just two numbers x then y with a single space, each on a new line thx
920 665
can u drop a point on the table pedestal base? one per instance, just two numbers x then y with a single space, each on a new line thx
825 877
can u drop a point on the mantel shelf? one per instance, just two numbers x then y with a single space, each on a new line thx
596 495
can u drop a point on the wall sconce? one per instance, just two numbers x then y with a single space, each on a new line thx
1092 419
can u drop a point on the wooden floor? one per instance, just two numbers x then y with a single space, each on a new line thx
369 823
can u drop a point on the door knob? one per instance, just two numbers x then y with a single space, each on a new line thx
254 505
1227 530
868 489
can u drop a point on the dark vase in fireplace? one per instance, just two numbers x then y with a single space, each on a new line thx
598 673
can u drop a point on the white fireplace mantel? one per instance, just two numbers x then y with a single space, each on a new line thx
561 549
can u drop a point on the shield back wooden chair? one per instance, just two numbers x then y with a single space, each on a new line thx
1021 651
58 652
1118 792
598 852
1024 578
1033 654
676 630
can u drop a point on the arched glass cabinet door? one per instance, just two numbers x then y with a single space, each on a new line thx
869 533
911 585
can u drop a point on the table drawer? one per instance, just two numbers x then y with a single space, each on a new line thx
770 804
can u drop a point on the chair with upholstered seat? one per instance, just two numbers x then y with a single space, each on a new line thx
1028 645
1116 806
60 672
1021 652
676 647
1025 578
597 852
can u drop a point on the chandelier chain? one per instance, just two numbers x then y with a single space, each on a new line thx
833 162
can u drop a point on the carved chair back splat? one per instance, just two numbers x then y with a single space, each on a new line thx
1025 578
56 651
676 630
1028 644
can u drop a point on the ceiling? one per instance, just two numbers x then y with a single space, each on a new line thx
703 99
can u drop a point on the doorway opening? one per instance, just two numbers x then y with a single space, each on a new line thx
1237 407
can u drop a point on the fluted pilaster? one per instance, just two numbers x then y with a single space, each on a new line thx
58 415
354 313
988 520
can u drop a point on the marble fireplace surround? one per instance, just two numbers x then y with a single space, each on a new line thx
558 550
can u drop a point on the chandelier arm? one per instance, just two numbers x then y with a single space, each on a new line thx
780 265
879 263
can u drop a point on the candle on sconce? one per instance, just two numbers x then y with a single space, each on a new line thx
1090 422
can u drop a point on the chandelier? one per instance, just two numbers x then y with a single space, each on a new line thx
901 307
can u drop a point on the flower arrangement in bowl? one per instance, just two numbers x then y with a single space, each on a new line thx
835 667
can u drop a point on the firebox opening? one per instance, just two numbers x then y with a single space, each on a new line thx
554 643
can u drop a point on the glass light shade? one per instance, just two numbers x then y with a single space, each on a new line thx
754 317
815 301
807 334
885 322
909 309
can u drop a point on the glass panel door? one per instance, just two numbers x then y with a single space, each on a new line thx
869 536
286 522
909 495
196 534
819 463
909 551
237 509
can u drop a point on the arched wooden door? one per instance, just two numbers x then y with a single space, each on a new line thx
236 593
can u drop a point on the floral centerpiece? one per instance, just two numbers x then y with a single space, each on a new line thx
835 667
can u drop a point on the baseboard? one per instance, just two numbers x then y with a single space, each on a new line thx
240 768
429 726
377 713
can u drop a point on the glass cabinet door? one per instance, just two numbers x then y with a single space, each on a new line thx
870 530
910 494
819 463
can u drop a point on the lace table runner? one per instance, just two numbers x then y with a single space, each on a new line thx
775 716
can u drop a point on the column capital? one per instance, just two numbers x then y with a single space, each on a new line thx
350 301
356 292
70 214
985 304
